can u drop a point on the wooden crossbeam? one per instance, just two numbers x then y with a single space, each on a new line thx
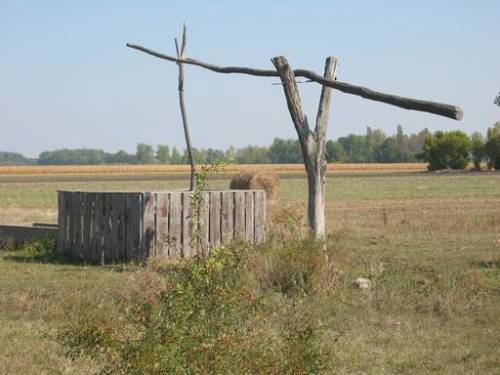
446 110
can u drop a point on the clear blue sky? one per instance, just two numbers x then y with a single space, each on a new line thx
67 79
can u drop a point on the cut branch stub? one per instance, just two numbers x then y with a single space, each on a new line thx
325 98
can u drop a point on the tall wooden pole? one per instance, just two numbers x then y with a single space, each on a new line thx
180 56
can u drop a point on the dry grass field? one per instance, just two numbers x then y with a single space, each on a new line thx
429 242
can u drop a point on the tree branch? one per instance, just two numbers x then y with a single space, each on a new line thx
294 104
325 98
446 110
292 95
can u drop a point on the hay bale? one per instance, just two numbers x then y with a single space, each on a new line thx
267 181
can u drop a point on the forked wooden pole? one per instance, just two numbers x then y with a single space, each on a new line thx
180 57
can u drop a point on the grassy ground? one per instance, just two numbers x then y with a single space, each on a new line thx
430 244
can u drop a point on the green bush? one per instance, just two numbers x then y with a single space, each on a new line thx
244 309
492 146
447 150
477 149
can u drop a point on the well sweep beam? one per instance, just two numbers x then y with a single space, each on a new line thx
446 110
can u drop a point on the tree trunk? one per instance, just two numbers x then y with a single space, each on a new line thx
312 143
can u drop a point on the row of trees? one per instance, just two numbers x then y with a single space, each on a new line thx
374 146
441 149
14 158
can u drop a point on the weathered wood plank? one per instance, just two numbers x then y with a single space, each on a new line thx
97 256
91 245
260 216
175 224
107 229
239 214
60 221
86 224
227 217
66 218
215 218
133 226
203 230
71 225
149 227
162 214
118 202
76 241
187 225
249 217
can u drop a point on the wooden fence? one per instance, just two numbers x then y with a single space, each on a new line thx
120 226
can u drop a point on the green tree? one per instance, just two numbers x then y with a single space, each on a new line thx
175 156
388 151
354 148
121 157
335 151
492 146
497 100
477 149
373 140
163 154
213 155
285 151
13 158
402 144
447 150
145 154
252 155
415 144
230 155
81 156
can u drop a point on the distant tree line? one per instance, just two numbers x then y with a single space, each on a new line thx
453 150
14 158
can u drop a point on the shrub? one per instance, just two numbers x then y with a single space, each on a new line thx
223 314
447 150
492 146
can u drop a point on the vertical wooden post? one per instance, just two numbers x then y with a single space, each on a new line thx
180 56
312 143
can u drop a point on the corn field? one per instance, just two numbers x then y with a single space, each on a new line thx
233 168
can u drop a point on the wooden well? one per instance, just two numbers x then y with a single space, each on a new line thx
121 226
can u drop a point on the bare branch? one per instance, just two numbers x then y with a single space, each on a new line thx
177 49
293 98
184 40
325 98
446 110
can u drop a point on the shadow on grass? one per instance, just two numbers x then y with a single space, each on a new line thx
43 251
495 263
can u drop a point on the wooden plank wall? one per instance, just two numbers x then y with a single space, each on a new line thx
103 227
